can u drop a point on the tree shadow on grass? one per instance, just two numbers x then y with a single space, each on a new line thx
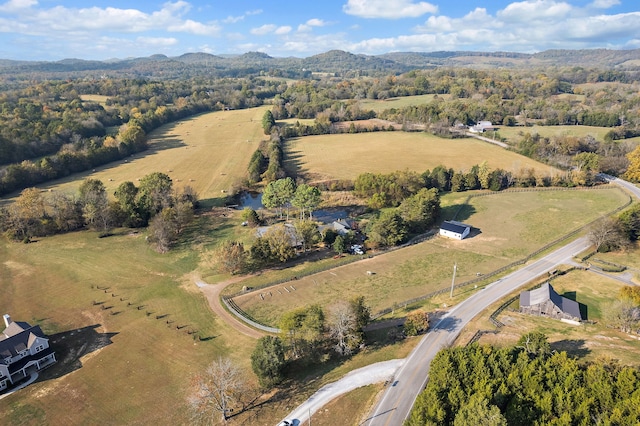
70 346
459 212
574 347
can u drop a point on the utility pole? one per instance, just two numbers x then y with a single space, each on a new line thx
309 416
453 280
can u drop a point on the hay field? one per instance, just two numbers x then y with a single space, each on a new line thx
209 152
513 134
99 99
510 226
345 156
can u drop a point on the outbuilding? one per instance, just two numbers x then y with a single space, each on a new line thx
546 302
455 230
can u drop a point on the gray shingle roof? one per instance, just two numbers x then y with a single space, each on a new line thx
546 292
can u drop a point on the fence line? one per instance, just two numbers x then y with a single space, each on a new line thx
243 316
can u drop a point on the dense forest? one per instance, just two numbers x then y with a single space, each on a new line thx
526 384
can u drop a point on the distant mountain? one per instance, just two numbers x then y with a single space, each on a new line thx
334 61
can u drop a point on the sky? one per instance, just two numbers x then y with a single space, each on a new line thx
107 29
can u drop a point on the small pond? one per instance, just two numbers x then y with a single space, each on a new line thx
253 200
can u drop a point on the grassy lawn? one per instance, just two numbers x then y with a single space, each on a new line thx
511 224
345 156
148 363
399 102
208 152
588 340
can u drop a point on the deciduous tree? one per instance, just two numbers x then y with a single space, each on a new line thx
217 390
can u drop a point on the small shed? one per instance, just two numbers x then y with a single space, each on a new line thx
455 230
545 301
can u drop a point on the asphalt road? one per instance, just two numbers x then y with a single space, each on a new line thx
396 403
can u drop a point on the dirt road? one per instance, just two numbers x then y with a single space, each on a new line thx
212 293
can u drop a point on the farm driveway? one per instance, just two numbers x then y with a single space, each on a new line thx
212 293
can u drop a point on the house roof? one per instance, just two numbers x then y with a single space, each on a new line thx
546 292
453 226
11 345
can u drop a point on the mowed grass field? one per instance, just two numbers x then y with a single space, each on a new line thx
511 225
345 156
144 375
208 152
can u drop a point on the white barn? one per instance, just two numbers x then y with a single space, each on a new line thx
455 230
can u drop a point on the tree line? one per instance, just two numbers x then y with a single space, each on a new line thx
526 384
154 202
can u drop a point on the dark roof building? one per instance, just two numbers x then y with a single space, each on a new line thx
24 349
453 229
545 301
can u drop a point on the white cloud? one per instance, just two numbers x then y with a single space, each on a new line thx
390 9
69 20
528 11
264 29
13 6
236 19
271 29
157 41
604 4
282 30
316 22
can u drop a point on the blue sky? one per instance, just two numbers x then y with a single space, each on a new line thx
104 29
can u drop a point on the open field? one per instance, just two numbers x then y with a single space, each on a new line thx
131 368
399 102
511 225
99 99
345 156
514 134
208 152
588 340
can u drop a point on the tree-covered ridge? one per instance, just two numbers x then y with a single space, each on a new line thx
527 384
334 61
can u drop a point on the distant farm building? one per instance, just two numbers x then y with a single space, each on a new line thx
340 227
455 230
481 127
24 349
545 302
289 230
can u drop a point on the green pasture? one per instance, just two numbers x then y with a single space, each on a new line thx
509 226
143 375
209 152
378 105
514 134
345 156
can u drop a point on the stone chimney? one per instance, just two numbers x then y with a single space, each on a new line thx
7 320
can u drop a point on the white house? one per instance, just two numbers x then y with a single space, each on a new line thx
24 349
455 230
